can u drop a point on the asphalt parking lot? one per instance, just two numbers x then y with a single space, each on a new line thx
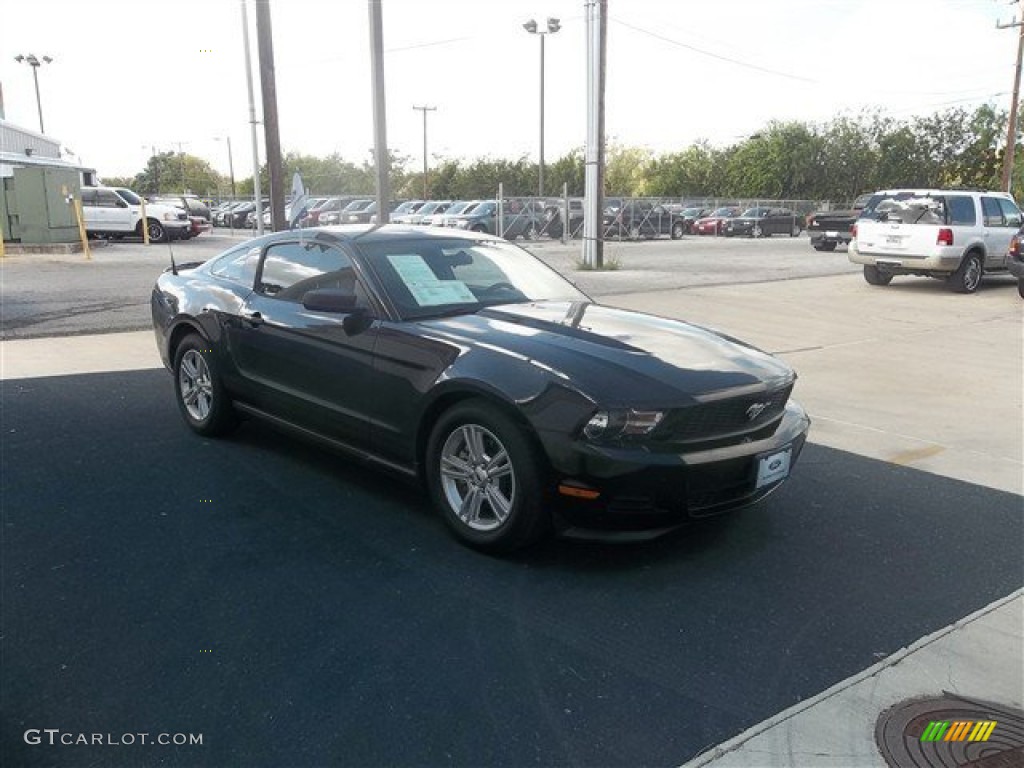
297 610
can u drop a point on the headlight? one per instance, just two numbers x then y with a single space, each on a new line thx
461 224
170 217
607 425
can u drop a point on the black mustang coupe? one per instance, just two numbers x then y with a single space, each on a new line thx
462 361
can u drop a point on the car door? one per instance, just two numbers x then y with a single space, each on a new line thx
312 368
1001 220
111 214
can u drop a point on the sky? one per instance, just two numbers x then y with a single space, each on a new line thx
129 77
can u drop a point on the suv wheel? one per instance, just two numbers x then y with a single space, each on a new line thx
876 276
826 245
157 233
967 278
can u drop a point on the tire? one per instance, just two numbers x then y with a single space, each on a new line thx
199 390
829 246
157 233
678 230
757 232
876 276
504 506
478 228
1020 287
635 232
796 230
530 233
967 277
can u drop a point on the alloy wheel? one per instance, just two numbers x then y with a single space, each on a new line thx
195 384
477 477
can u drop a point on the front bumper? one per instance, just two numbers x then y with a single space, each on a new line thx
640 491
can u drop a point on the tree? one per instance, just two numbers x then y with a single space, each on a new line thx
178 172
625 170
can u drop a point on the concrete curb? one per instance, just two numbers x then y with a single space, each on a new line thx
733 744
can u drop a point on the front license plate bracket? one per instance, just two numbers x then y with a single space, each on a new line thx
773 467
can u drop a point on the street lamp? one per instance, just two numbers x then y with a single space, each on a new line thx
35 63
531 26
231 162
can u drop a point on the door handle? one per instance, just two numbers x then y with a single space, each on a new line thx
253 318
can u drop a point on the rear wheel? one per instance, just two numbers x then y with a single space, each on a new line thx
677 230
876 276
967 278
484 479
200 393
757 232
530 233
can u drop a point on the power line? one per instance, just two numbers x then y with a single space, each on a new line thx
710 54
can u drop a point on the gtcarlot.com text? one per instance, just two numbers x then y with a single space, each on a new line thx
55 737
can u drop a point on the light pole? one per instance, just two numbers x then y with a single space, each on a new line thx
231 162
424 110
533 29
35 63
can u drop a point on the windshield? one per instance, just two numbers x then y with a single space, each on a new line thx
460 206
726 212
427 277
129 196
755 213
357 205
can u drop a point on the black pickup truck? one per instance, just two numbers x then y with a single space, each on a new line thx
828 229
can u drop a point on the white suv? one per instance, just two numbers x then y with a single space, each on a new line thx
117 211
957 235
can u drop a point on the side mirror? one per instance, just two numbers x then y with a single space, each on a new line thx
329 300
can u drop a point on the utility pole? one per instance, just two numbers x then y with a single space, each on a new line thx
1011 129
593 203
271 132
424 110
252 123
380 124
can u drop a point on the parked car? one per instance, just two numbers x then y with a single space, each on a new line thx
519 219
221 216
714 223
764 222
828 229
198 212
429 208
688 218
956 235
117 212
461 361
553 225
1015 260
342 216
400 209
456 208
639 219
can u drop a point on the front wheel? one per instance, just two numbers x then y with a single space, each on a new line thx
796 230
876 276
678 230
157 233
484 479
967 278
200 393
530 233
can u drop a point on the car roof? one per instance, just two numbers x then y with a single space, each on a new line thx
365 233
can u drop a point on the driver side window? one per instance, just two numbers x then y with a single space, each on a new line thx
290 270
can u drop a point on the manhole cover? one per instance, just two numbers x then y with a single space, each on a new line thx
951 730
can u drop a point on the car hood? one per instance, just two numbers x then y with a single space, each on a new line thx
616 356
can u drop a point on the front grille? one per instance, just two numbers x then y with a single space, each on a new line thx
707 421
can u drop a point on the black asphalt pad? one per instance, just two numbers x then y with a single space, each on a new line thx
296 609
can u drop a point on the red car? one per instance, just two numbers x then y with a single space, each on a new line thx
715 222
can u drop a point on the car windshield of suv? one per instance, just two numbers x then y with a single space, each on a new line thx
129 196
429 278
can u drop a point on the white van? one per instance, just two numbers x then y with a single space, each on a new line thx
116 211
957 235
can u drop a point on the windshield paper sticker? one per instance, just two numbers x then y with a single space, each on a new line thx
424 285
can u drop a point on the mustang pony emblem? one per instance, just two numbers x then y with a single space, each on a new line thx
756 410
